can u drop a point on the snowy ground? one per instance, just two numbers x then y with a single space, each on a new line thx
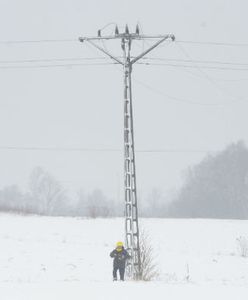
68 258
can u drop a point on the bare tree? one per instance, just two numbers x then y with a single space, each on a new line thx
46 192
11 199
97 205
242 243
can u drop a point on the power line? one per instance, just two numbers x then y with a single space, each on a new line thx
193 67
56 66
196 61
8 42
209 78
50 60
97 150
176 151
178 99
68 40
148 59
58 149
182 100
99 64
213 43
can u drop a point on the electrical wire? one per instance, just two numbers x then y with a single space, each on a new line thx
56 66
105 58
178 99
213 43
50 60
210 79
195 61
8 42
66 40
174 98
67 149
70 65
61 149
170 97
192 67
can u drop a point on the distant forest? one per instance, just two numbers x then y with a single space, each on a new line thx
217 187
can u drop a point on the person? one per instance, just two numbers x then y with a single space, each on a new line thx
120 256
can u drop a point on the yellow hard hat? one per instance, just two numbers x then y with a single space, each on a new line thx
119 244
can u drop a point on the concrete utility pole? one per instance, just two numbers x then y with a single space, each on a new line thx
131 205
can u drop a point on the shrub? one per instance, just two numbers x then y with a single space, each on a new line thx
242 246
149 269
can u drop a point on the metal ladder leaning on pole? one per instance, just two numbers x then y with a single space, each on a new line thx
131 205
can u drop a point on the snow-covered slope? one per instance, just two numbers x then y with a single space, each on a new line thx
68 258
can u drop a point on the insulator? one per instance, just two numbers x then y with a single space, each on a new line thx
116 30
126 30
137 31
99 33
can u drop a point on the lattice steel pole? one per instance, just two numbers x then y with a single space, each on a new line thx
131 204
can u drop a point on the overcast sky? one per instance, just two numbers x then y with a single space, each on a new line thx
175 108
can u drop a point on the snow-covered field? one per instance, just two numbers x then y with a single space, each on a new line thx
68 258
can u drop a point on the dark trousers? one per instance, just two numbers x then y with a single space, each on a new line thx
121 271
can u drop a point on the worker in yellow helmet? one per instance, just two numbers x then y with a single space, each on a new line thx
120 256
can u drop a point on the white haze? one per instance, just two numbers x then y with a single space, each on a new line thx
82 107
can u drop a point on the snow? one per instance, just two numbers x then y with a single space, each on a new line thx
68 258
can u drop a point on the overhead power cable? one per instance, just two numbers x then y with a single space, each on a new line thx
195 61
8 42
179 99
10 65
59 149
146 60
55 65
213 43
50 60
210 79
68 40
193 67
67 149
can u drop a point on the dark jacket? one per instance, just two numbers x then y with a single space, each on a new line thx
120 257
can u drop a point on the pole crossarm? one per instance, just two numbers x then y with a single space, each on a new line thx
133 36
104 51
151 48
125 36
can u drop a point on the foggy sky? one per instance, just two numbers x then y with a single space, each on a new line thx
82 106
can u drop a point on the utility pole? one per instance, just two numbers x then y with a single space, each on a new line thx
131 205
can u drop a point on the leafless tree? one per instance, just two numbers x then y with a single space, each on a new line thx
46 192
242 243
97 205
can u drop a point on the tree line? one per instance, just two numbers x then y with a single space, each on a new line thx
217 187
46 196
